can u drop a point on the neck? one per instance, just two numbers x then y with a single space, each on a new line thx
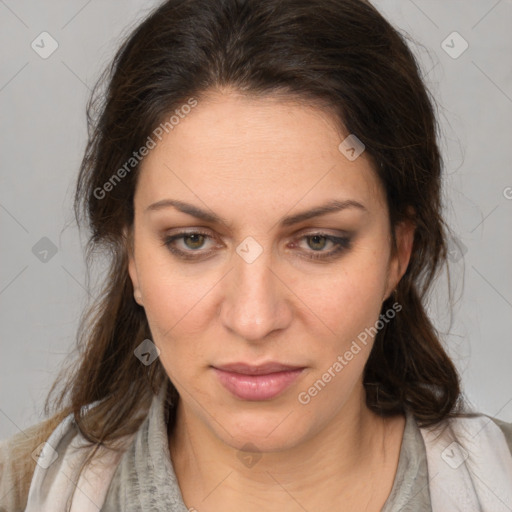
327 466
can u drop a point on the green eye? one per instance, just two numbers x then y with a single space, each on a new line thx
319 242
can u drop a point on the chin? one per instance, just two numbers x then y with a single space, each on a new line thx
268 431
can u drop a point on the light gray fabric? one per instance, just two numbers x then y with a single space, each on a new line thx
410 492
145 479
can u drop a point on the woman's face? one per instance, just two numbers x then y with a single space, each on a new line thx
255 279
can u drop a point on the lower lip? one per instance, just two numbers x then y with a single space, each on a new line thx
257 387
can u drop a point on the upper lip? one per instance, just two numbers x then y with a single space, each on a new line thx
262 369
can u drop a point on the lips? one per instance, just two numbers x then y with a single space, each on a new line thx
263 369
254 383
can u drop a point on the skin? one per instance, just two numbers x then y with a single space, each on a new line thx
253 161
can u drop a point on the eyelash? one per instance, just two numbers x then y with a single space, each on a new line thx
341 244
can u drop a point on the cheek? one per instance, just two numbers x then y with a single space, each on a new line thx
173 295
349 298
179 310
177 306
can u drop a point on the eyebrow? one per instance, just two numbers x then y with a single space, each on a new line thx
194 211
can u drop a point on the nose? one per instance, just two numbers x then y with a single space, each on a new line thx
256 302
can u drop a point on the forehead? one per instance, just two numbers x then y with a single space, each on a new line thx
248 154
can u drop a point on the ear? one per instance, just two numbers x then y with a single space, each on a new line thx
132 268
400 257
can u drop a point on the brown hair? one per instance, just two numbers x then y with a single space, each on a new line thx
341 53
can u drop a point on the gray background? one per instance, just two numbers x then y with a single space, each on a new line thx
43 135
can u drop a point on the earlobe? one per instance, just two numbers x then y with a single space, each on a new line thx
132 269
404 236
405 243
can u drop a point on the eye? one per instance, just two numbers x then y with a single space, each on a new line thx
193 241
318 241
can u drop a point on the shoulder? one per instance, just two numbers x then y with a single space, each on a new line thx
40 467
471 437
470 421
18 456
476 439
67 462
43 465
506 429
482 427
470 458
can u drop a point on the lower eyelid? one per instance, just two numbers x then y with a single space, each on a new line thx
340 245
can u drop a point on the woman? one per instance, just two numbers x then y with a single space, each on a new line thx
265 177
